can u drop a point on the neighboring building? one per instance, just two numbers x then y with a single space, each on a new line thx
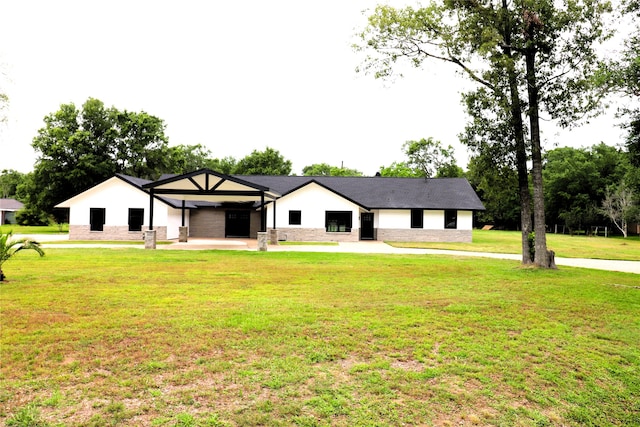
8 209
300 208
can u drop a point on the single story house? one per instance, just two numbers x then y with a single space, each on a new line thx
8 209
298 208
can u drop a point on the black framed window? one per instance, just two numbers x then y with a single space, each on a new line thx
136 218
451 219
96 219
295 217
417 218
337 221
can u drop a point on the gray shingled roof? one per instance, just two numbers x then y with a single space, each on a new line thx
368 192
10 205
383 192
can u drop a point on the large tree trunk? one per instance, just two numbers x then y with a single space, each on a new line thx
521 162
525 200
518 134
542 257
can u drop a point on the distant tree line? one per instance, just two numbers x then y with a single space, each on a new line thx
578 184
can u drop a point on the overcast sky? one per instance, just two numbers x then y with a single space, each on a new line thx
234 76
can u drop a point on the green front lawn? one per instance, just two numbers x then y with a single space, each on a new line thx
103 242
509 242
28 229
102 337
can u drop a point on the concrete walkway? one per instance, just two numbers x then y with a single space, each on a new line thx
350 247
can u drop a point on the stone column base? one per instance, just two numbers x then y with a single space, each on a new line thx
150 239
183 234
262 241
273 236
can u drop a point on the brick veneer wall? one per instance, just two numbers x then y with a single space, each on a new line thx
423 235
317 235
112 232
396 235
206 222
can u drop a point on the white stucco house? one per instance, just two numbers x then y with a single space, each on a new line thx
298 208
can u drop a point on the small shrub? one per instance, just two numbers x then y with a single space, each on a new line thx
215 421
29 416
54 400
29 216
185 420
532 245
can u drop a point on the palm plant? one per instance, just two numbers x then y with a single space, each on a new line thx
9 247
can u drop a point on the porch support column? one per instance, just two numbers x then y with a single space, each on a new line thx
150 234
151 209
183 232
273 233
263 214
274 214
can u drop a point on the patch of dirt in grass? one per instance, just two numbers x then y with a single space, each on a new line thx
481 414
29 319
408 365
348 363
467 406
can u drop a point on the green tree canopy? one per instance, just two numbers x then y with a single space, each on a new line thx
267 162
182 159
324 169
633 140
450 170
226 165
577 181
622 73
629 81
400 169
497 187
425 158
80 148
428 156
9 181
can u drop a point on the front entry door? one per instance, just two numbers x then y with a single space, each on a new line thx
366 226
237 223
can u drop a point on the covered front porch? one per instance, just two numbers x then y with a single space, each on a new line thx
238 198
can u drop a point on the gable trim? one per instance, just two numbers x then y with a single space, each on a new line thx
337 193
